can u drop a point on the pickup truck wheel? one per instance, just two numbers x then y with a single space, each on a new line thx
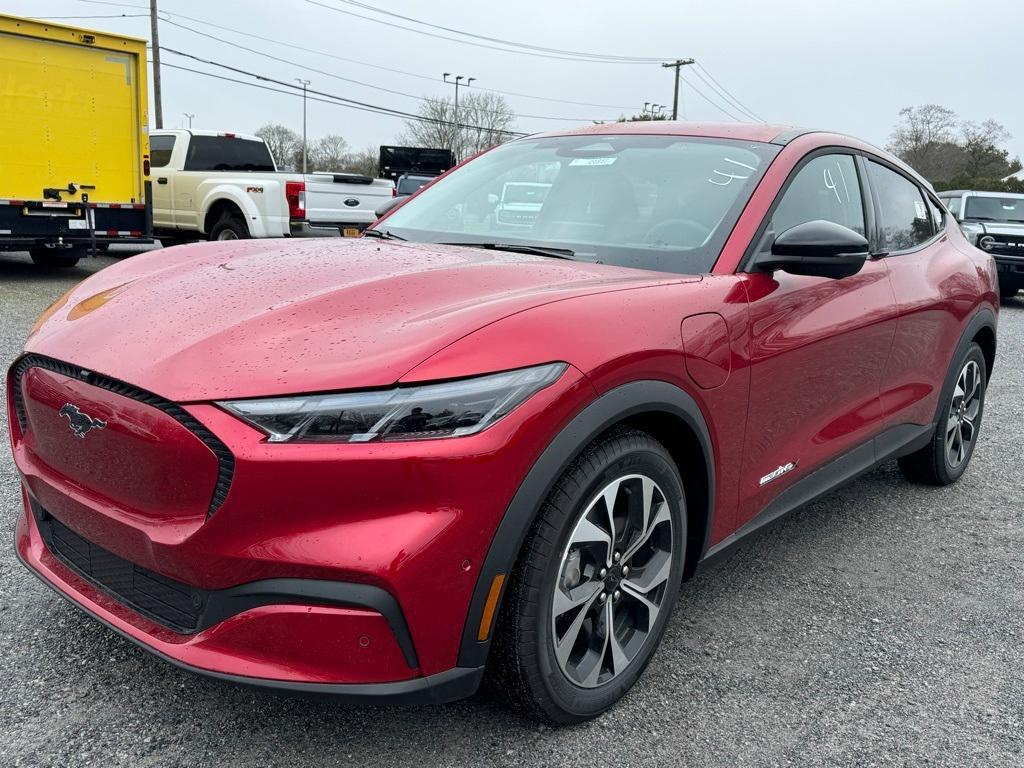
57 258
230 227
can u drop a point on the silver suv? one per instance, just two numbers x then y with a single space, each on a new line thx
993 221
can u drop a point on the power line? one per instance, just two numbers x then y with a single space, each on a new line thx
560 51
99 16
470 42
718 88
713 103
351 80
365 106
297 47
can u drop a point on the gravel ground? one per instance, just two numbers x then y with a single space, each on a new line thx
883 625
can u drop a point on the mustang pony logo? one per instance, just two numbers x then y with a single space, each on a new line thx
81 423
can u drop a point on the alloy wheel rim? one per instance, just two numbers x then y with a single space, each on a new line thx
612 581
962 419
227 234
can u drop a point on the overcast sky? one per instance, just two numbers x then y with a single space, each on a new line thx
848 66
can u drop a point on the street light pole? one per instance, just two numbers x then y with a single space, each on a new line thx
304 83
189 115
456 127
678 64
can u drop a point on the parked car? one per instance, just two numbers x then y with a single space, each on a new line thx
225 186
520 203
74 154
385 467
408 183
993 221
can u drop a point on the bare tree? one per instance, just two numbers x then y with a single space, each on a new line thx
365 162
921 134
282 142
483 120
328 153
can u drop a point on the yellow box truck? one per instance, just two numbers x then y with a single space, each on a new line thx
74 143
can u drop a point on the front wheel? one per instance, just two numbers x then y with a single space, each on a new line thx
946 457
596 582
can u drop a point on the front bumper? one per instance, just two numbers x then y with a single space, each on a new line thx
348 565
268 632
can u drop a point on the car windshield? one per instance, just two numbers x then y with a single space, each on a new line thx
995 209
655 202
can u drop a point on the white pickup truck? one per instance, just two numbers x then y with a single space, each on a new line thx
225 186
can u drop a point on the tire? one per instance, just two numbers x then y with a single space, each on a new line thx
230 226
1007 292
562 688
944 460
57 258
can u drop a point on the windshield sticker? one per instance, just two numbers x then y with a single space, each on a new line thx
591 161
920 211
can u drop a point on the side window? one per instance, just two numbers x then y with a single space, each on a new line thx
953 203
826 188
160 148
905 222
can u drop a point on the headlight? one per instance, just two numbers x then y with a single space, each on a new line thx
449 409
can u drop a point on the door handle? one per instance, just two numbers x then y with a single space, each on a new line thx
161 180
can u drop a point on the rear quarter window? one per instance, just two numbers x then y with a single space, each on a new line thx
160 149
905 219
222 153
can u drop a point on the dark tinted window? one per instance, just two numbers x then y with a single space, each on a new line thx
221 153
905 221
826 188
160 148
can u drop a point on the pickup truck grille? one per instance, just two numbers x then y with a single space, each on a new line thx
1006 245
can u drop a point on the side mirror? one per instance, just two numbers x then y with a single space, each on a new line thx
387 205
817 248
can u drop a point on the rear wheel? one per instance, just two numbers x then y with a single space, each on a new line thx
946 457
230 226
57 258
596 582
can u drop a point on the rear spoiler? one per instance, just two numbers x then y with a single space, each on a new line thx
346 178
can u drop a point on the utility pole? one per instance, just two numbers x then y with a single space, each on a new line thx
155 34
304 83
456 128
189 115
677 65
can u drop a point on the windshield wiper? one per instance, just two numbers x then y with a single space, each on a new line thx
383 234
536 250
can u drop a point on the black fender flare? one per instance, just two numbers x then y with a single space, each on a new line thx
608 409
983 318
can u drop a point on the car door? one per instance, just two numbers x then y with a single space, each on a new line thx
817 345
161 145
935 286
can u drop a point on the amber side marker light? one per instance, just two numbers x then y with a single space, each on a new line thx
489 607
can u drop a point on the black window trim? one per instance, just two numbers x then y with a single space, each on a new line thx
921 189
870 211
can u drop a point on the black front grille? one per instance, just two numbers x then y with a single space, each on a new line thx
225 459
169 603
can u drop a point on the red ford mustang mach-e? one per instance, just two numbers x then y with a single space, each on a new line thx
471 441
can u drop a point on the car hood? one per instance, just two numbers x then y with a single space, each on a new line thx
256 318
1001 228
